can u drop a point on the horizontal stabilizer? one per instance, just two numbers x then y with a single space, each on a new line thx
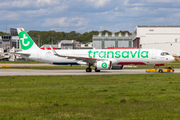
23 53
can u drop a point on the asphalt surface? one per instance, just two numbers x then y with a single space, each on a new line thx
25 65
24 72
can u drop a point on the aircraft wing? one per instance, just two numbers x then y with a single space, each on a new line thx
84 59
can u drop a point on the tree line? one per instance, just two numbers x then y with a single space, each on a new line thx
86 37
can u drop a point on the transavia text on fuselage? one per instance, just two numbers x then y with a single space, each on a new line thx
118 54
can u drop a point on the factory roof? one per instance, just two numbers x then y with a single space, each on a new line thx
158 25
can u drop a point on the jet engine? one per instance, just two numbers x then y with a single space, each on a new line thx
103 65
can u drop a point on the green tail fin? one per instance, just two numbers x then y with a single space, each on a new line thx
25 40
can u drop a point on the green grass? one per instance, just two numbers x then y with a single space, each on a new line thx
74 67
108 97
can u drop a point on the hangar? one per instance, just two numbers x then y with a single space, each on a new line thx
159 37
103 41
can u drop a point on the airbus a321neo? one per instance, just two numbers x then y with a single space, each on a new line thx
101 59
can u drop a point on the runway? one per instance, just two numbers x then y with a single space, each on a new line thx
25 65
27 72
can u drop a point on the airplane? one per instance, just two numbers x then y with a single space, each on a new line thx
101 59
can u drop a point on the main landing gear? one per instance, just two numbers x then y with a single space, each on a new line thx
96 70
90 70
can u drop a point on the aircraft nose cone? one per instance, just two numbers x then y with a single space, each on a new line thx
171 59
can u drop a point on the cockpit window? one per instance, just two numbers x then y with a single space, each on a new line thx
164 53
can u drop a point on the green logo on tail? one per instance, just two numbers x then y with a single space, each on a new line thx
25 41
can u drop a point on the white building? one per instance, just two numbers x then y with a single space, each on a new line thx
87 45
104 41
159 37
69 44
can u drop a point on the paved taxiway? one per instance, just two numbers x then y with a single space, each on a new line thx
15 72
25 65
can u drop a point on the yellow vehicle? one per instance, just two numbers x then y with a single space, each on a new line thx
166 69
176 58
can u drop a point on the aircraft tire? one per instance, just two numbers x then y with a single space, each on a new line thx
160 71
97 70
88 69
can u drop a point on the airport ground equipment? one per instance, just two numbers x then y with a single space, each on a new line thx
166 69
176 58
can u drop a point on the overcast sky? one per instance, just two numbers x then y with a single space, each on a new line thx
87 15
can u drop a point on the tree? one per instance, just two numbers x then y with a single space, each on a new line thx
45 36
123 32
106 31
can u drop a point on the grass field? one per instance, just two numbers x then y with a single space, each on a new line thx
134 97
64 67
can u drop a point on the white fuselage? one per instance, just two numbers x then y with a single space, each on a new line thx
117 56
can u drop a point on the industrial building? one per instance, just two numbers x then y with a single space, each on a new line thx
159 37
103 41
87 45
9 44
69 44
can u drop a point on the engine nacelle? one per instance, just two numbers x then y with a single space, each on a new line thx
103 65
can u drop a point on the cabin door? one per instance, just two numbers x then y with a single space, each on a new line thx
153 54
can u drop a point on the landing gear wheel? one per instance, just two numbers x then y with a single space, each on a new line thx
97 70
88 69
